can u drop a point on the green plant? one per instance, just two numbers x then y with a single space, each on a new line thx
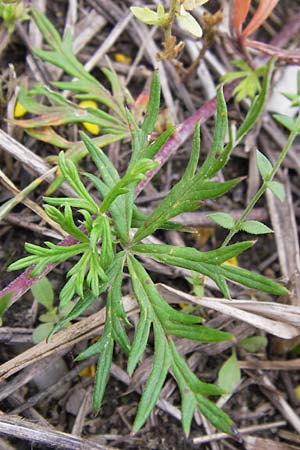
43 293
109 240
10 11
250 85
84 93
178 9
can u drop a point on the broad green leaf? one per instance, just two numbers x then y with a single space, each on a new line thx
41 332
160 367
102 375
50 316
223 219
277 189
4 301
145 15
264 165
255 227
188 23
43 293
230 374
253 344
288 122
66 309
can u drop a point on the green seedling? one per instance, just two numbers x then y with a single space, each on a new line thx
229 374
109 245
164 19
110 232
12 10
43 293
250 79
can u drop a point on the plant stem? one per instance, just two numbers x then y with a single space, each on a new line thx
171 15
264 186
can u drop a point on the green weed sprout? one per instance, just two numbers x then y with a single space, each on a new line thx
249 85
109 245
164 19
43 293
12 10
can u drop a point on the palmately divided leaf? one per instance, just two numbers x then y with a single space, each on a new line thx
184 196
210 264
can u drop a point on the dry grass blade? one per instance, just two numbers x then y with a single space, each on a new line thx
286 235
254 428
65 339
20 197
30 160
253 443
274 318
17 427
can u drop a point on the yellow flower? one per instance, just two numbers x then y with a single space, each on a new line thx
119 57
19 111
92 128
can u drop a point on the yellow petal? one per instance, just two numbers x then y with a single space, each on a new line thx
20 111
91 128
88 372
232 261
297 392
121 58
88 104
